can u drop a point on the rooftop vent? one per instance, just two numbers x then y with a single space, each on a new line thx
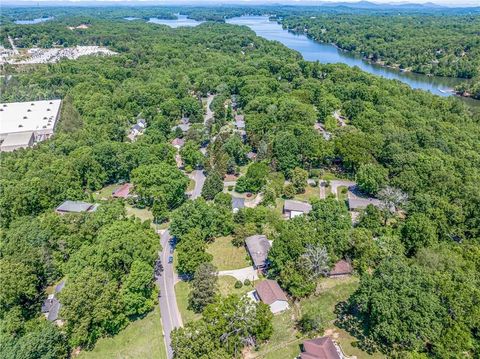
25 117
48 109
51 103
4 105
20 125
45 118
29 110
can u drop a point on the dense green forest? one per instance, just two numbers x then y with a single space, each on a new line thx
438 45
419 266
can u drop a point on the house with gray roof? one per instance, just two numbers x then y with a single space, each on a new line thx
357 203
293 208
51 306
258 247
237 203
76 207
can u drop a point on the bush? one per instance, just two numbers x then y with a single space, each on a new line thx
247 282
230 188
310 322
188 168
289 191
238 284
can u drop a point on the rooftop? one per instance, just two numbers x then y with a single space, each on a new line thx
362 203
269 291
320 348
122 191
28 116
258 247
238 202
341 267
21 139
297 206
76 207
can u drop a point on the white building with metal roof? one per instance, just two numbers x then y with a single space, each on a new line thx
37 117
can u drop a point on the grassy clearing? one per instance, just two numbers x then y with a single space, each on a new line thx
226 256
309 194
141 339
342 192
106 192
142 213
181 290
226 286
286 340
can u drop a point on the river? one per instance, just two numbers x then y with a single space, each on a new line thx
327 53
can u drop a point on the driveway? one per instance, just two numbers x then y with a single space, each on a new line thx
334 184
199 179
209 112
171 318
241 274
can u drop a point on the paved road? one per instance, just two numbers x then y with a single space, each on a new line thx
199 179
168 304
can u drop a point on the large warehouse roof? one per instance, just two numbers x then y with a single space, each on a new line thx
28 116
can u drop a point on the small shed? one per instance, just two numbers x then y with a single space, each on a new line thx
293 208
258 247
341 268
270 293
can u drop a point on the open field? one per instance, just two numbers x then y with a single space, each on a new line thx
226 256
106 192
226 286
141 339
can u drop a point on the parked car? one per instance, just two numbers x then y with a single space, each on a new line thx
172 249
170 259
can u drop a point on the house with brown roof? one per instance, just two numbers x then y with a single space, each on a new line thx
321 348
270 293
341 268
178 143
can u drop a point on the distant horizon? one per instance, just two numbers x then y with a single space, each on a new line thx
445 3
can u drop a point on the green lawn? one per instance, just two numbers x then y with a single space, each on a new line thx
181 291
142 213
141 339
226 256
309 194
226 286
105 193
284 342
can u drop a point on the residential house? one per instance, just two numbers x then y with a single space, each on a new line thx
270 293
357 203
51 306
137 129
341 268
237 204
178 143
293 208
239 122
184 127
123 191
321 348
76 207
258 247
